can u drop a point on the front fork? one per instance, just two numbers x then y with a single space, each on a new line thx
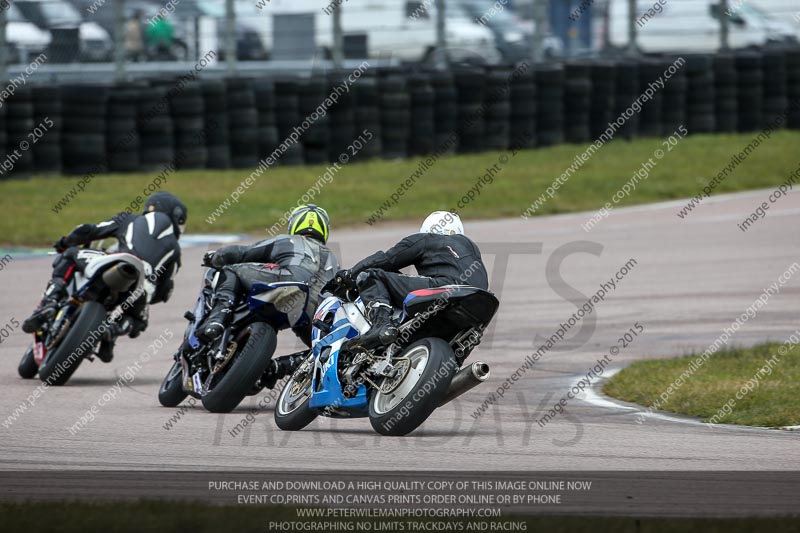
45 340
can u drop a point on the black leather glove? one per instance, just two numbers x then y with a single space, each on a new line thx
208 259
345 277
60 245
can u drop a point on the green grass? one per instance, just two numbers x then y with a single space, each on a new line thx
773 402
360 188
179 517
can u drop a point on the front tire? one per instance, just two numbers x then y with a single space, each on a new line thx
400 406
59 365
27 366
171 392
245 368
292 412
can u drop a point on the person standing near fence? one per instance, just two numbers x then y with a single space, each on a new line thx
159 34
134 37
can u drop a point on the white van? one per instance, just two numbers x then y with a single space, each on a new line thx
24 38
95 42
693 25
404 30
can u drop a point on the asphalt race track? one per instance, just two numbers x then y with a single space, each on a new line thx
692 278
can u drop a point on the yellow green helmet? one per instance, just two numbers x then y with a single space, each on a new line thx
310 220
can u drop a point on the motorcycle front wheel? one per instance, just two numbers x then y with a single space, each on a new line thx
171 392
27 366
235 381
292 412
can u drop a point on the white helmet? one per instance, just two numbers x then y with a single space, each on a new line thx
442 223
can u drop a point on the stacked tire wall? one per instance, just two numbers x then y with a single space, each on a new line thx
163 123
367 115
550 105
395 113
793 85
471 114
726 100
215 115
48 114
19 122
242 122
582 101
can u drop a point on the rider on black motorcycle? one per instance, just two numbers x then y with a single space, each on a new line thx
299 256
152 237
441 254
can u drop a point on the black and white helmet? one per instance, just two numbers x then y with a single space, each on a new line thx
170 205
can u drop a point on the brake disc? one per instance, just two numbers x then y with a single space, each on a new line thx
401 367
221 364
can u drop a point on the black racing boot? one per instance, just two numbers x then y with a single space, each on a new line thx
217 320
281 367
55 291
382 333
138 325
109 339
106 351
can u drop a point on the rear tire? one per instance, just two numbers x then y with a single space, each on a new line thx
171 392
59 366
243 371
27 366
408 404
292 412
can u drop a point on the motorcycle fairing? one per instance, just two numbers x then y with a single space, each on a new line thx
281 303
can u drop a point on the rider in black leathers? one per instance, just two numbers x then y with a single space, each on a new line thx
300 256
441 254
152 237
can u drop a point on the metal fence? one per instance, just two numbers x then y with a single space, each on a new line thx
120 39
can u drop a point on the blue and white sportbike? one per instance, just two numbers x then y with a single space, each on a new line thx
397 386
224 372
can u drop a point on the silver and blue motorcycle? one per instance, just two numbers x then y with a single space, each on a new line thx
396 387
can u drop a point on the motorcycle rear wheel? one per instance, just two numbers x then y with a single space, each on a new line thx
401 406
63 361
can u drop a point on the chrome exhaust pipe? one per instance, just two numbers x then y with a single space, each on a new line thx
120 277
466 379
